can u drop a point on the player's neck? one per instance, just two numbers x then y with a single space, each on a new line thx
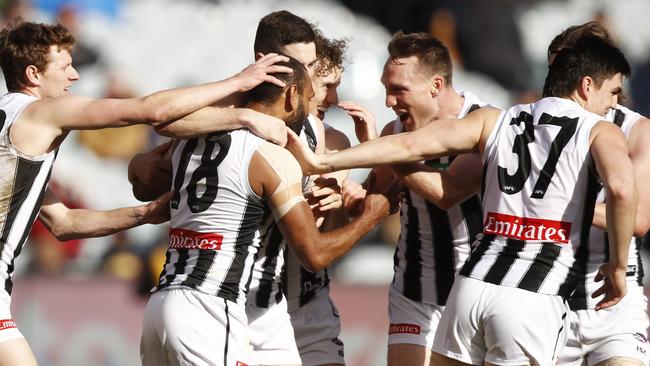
450 103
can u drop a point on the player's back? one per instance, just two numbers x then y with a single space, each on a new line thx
23 180
538 194
215 215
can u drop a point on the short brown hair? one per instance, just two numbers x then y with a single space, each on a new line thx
27 43
329 52
571 35
431 53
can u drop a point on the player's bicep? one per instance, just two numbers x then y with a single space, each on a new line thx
280 177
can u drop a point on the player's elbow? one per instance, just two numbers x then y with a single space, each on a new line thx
155 113
312 260
641 225
61 231
621 189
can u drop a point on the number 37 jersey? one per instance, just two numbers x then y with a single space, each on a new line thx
214 215
539 190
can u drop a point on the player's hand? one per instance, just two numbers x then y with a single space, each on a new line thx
156 211
258 73
353 195
614 285
381 204
308 160
325 194
364 121
268 127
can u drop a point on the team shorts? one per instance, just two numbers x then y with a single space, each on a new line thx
187 327
501 325
412 322
8 328
271 335
317 326
619 331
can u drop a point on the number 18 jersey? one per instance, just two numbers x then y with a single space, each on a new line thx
214 215
538 194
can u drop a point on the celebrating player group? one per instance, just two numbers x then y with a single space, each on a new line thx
520 227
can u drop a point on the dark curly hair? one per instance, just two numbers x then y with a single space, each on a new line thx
329 52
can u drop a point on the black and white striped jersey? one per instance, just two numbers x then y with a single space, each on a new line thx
215 215
434 243
268 277
538 195
597 252
23 181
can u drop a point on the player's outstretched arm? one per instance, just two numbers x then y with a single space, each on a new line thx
610 153
215 119
49 118
444 137
447 187
68 224
639 145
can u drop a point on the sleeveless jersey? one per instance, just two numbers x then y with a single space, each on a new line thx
214 215
23 181
538 194
597 252
434 243
272 260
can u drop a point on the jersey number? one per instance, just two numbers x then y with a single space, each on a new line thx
206 170
511 184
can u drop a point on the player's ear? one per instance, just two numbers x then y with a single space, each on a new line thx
32 75
585 87
291 98
437 84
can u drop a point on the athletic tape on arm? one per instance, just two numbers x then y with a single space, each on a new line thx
289 191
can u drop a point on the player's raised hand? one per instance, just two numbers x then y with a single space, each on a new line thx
269 128
307 159
614 285
259 72
364 121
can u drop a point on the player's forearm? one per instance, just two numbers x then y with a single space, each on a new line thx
620 214
384 150
172 104
204 121
334 244
82 223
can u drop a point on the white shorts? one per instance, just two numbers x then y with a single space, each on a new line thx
317 326
271 335
502 325
8 328
412 322
187 327
619 331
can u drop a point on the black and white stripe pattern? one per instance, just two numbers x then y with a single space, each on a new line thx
213 196
23 183
434 243
533 262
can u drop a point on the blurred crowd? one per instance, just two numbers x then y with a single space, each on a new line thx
497 48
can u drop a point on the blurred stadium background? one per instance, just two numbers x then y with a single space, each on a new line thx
81 302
